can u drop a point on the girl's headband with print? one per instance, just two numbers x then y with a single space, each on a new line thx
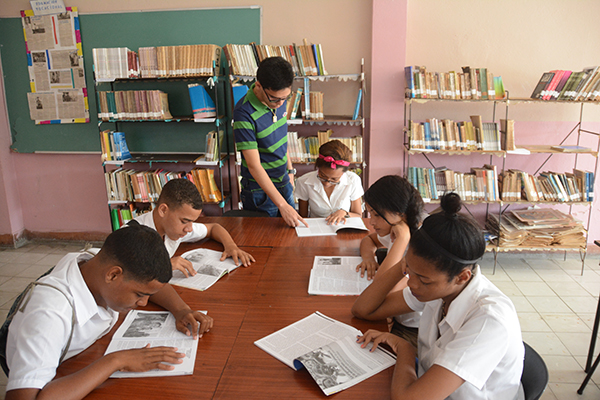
334 162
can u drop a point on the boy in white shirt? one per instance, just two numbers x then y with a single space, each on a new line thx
178 206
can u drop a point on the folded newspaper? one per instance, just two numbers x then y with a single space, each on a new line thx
337 276
328 350
156 328
209 267
319 227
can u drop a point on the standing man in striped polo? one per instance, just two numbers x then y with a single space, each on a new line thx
260 130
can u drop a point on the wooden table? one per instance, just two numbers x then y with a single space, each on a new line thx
247 305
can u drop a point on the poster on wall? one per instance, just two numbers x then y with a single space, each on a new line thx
55 62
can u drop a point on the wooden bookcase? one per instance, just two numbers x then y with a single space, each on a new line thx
503 159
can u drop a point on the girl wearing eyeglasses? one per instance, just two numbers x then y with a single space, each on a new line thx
396 209
331 191
470 344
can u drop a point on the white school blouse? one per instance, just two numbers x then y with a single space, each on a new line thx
198 232
479 340
309 188
37 336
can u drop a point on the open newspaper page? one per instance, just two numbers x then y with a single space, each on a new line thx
158 329
209 267
304 336
343 363
319 227
336 276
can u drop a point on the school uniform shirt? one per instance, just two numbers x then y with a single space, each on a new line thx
199 231
412 319
37 336
478 340
309 188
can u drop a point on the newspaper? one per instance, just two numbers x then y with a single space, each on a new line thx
156 328
336 276
328 350
209 267
319 227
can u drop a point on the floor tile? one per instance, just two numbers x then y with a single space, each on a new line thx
522 304
549 304
578 344
34 271
535 289
546 343
564 369
566 323
568 391
533 322
16 285
508 288
581 304
554 275
567 288
527 275
12 269
542 264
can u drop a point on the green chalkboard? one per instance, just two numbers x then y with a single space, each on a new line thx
132 30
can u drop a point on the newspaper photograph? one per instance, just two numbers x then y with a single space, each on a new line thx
70 104
304 336
208 266
344 363
156 328
38 32
42 105
336 276
61 79
65 29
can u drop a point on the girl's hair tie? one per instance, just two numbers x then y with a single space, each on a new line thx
334 162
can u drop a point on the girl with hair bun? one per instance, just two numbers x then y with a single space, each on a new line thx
331 191
470 344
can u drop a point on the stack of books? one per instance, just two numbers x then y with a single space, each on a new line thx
114 147
145 186
537 228
481 184
470 83
115 63
516 185
306 59
445 134
133 105
306 149
568 85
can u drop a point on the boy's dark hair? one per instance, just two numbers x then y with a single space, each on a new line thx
139 251
275 73
394 194
335 149
450 240
178 192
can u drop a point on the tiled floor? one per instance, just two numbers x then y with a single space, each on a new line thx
556 306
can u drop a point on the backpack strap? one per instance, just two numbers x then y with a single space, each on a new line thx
19 305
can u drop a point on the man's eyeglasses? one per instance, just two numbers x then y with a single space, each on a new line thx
275 100
325 180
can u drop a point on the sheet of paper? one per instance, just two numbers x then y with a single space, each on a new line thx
344 363
209 267
303 336
156 328
336 276
319 227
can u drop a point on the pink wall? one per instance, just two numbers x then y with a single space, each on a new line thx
386 81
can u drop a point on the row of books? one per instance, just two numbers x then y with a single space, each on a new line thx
536 228
214 142
306 149
121 215
156 62
481 184
145 186
518 185
308 107
114 146
568 85
471 83
306 59
446 134
133 105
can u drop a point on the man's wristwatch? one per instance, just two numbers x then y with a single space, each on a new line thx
291 171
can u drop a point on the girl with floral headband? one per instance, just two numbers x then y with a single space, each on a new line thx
331 191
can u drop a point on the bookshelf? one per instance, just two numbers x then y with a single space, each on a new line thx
352 120
498 208
153 163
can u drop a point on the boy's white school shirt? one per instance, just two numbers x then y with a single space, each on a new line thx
199 231
309 188
479 340
38 335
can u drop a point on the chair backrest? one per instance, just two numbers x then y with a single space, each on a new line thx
535 374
